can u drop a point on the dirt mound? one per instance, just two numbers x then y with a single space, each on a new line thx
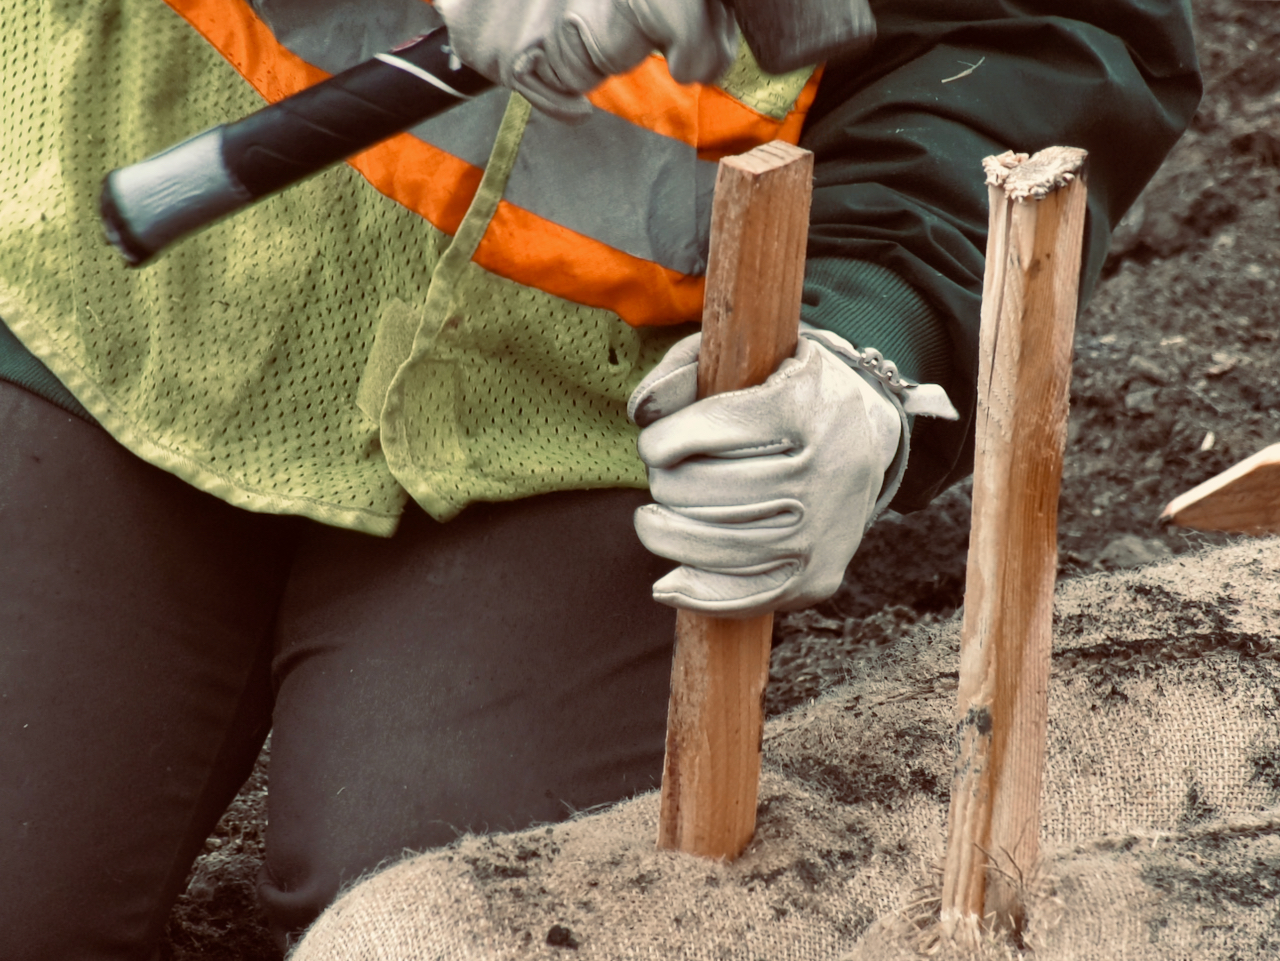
1177 370
1176 374
1161 821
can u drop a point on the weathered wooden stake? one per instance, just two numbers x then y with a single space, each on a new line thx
750 320
1024 371
1244 499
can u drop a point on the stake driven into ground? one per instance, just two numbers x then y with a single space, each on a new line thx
750 324
1028 319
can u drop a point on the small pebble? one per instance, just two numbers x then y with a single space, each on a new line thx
561 937
1141 401
1130 550
1148 369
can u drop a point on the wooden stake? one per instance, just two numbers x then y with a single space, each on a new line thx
750 322
1244 499
1024 371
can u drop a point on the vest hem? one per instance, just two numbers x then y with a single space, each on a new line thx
29 332
424 492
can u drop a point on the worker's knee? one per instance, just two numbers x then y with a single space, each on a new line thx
291 903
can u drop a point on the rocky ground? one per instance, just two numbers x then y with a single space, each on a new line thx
1177 376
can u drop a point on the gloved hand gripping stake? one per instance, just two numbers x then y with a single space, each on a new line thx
750 322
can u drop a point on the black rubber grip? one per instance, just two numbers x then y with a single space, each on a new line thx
321 125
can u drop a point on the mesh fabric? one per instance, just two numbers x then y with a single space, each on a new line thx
773 95
508 391
236 359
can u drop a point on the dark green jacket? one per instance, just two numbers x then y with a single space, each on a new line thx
899 181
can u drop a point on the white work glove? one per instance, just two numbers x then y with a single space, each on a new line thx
555 51
763 495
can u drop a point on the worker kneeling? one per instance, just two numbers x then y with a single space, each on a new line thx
356 467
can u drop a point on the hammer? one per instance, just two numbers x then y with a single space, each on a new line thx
149 205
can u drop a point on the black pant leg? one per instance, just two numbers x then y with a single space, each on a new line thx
504 668
135 627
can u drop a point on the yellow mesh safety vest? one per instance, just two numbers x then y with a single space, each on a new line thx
330 350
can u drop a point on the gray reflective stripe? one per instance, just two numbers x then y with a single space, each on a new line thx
637 191
337 34
468 130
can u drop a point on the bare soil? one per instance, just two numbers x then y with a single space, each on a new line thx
1177 376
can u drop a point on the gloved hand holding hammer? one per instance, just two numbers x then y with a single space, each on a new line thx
555 51
551 51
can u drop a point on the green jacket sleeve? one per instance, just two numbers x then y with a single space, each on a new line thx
899 218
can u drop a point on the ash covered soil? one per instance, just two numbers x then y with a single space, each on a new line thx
1176 377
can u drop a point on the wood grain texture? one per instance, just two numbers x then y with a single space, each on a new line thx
1028 320
750 324
1244 499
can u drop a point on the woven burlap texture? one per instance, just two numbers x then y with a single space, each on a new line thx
1160 822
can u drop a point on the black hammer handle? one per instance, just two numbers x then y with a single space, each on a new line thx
148 205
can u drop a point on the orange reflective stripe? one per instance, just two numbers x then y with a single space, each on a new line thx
727 126
566 264
395 167
703 116
518 244
236 32
398 169
649 98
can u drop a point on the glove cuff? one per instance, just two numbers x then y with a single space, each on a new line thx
906 396
898 466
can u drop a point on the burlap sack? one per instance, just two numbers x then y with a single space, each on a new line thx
1160 833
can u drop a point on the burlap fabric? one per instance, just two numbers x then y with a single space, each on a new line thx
1161 831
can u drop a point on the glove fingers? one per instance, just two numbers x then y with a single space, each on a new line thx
738 549
720 428
724 594
567 64
534 80
742 423
714 483
699 39
670 386
782 512
606 48
707 58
